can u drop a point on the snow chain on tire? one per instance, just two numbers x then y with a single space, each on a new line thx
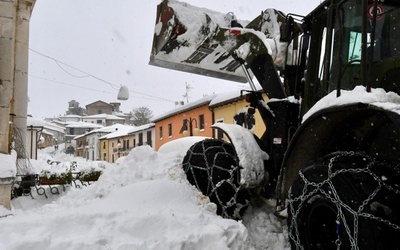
212 166
362 194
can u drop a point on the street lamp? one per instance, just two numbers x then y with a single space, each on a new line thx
123 93
189 123
87 151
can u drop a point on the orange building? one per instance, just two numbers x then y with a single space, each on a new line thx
192 119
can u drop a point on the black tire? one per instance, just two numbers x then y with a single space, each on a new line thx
345 198
212 167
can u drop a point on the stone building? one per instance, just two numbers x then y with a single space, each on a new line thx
14 49
100 107
75 109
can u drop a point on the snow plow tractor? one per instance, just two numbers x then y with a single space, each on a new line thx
329 158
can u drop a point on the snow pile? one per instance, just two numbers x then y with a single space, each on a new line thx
377 97
180 146
185 35
265 229
269 35
8 165
194 20
145 202
251 157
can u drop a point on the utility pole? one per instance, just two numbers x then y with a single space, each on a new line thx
187 89
14 49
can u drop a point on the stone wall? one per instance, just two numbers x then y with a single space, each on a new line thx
14 47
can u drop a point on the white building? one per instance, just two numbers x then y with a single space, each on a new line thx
103 119
94 138
33 136
144 135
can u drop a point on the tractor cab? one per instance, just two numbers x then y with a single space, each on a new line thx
354 42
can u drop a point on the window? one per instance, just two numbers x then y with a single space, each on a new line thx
104 156
201 122
185 123
104 145
140 139
126 144
354 53
112 144
161 133
149 142
99 122
170 130
219 133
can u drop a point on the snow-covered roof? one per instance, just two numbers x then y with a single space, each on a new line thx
120 114
112 128
108 129
54 127
220 99
44 131
60 123
229 97
189 106
99 101
83 125
119 133
34 122
102 116
70 116
142 127
123 130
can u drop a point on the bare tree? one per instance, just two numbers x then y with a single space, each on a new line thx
76 111
141 116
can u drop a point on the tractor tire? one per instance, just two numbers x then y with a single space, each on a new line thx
212 166
346 200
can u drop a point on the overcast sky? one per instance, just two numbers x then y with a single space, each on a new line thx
83 50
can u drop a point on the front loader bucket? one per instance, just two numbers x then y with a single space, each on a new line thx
184 40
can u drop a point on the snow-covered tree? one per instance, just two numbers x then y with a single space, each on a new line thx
141 116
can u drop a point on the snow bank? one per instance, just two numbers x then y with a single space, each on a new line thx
145 202
8 165
180 146
146 215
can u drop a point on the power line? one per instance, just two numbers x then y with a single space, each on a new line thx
59 65
58 62
78 86
72 85
116 87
